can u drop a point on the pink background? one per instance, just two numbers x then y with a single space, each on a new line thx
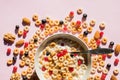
12 11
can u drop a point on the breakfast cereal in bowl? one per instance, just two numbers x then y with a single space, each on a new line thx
53 60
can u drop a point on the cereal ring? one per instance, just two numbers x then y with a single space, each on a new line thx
116 72
90 78
47 19
47 27
84 25
46 32
79 29
113 78
102 63
94 59
79 11
104 41
31 41
56 22
102 26
65 23
94 46
37 23
27 62
93 71
99 69
80 36
89 29
51 22
28 76
105 71
55 58
92 41
74 30
94 64
26 21
35 17
99 58
92 23
9 62
31 65
31 46
67 18
16 51
56 28
22 64
29 70
30 55
52 44
20 32
97 77
51 30
26 28
61 59
38 32
24 73
72 24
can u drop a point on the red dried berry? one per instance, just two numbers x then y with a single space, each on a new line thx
14 69
78 23
50 72
104 56
26 44
42 26
64 29
71 69
71 14
101 34
24 34
116 61
59 54
8 51
46 59
21 52
75 54
98 42
43 68
103 76
79 62
64 51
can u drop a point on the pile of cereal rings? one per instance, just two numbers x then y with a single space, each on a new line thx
46 27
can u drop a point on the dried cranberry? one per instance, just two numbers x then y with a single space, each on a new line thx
79 62
46 59
14 69
8 51
71 69
43 68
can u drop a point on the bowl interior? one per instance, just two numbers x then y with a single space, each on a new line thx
42 46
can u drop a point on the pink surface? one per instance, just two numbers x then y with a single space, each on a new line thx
12 11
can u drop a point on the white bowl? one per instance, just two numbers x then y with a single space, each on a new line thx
61 35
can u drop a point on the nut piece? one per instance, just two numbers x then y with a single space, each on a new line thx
19 43
97 35
9 38
117 49
25 21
